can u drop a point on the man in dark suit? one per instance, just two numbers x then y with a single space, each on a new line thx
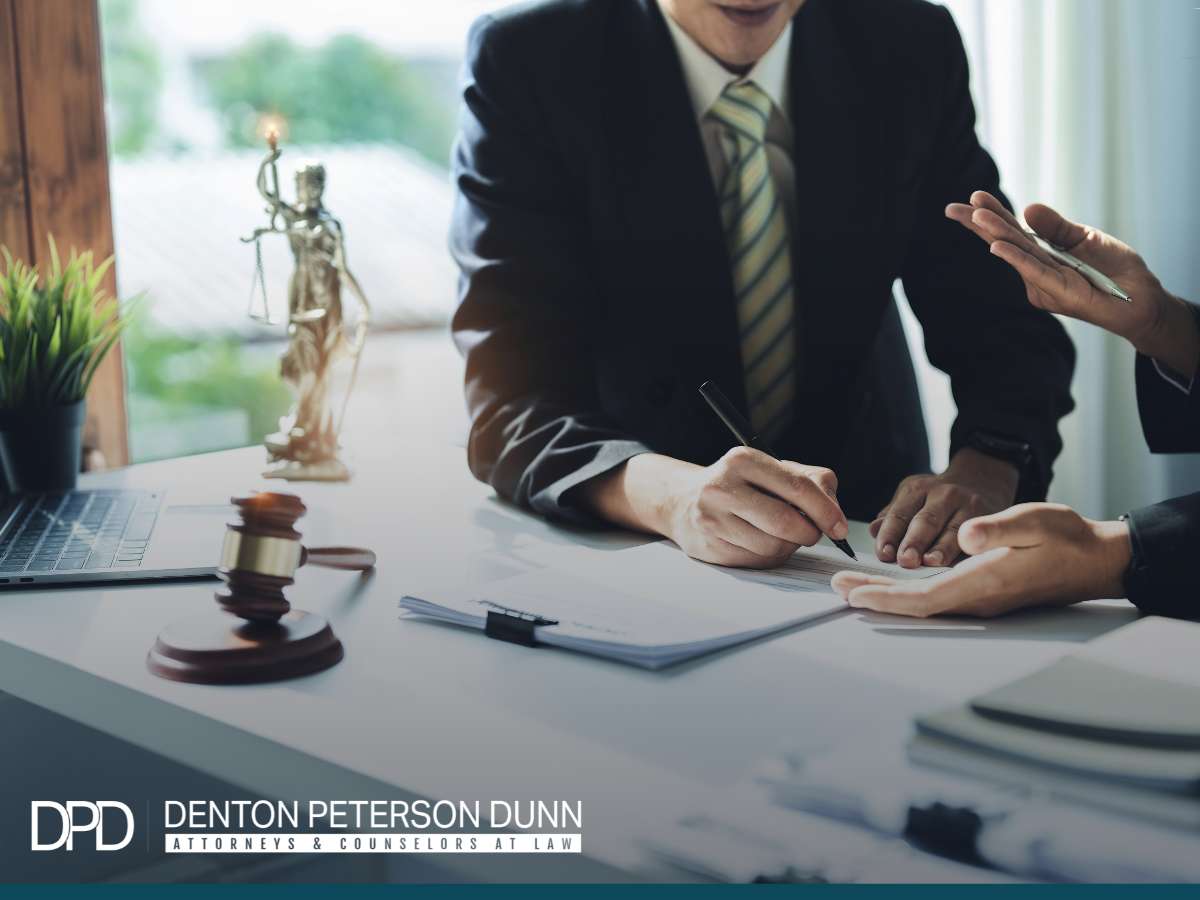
657 193
1041 553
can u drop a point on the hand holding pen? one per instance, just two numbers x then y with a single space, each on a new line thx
747 510
741 430
1078 271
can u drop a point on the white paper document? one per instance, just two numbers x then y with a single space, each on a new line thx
649 606
812 568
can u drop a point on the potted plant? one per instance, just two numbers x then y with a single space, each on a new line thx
55 329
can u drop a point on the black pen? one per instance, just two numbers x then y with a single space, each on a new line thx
741 430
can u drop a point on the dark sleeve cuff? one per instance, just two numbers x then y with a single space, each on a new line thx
560 500
1161 579
1173 377
1170 417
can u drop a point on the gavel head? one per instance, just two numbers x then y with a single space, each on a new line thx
261 554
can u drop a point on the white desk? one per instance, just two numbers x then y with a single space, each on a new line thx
419 709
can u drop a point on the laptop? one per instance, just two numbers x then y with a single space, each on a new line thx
84 537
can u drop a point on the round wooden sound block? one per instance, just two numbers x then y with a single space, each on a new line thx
220 648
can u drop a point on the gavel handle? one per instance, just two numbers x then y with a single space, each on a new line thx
354 559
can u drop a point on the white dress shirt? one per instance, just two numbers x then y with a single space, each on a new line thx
706 79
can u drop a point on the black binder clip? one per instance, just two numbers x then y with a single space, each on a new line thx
949 831
514 626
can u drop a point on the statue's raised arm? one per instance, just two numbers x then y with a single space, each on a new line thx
268 187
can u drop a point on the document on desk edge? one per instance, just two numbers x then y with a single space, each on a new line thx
649 606
808 569
812 568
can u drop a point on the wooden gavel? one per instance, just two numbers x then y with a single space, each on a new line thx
262 552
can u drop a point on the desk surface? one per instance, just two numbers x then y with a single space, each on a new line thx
420 709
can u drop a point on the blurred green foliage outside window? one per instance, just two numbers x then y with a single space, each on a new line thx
196 393
347 90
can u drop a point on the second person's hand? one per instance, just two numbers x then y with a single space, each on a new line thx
1156 323
1038 554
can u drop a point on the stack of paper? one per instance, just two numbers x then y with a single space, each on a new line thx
651 606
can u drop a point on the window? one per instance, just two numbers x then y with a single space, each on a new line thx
369 89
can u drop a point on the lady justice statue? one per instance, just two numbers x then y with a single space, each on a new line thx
306 446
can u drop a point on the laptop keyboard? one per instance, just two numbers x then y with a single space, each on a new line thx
79 530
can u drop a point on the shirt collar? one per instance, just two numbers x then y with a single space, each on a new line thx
707 79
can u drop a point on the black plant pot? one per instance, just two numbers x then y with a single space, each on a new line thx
41 447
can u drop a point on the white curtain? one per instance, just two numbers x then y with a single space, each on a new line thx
1093 106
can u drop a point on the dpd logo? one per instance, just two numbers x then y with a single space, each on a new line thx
64 821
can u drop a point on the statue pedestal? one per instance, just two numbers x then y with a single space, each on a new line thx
292 457
294 470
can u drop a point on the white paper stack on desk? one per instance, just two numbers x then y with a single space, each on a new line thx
1116 725
651 606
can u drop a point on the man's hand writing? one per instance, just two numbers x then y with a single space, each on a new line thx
747 510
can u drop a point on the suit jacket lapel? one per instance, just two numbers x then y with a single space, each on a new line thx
836 156
670 204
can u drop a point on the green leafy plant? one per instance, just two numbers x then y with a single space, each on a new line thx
54 330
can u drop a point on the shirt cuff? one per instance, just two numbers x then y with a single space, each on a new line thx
1159 580
1174 378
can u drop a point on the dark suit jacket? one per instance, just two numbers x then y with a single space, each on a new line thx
1166 537
596 293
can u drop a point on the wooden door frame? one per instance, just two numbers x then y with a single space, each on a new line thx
54 176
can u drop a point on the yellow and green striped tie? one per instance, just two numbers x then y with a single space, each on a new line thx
757 235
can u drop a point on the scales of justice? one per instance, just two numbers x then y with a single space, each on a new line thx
306 446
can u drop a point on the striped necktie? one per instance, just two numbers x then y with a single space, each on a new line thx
760 255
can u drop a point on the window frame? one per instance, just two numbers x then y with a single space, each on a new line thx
54 175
